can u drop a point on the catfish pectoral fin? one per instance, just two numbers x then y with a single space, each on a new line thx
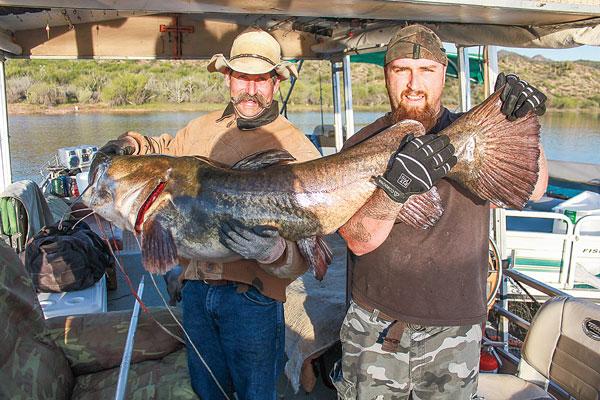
317 254
159 253
422 210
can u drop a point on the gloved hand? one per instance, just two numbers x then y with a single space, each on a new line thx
519 97
261 243
121 147
117 147
418 165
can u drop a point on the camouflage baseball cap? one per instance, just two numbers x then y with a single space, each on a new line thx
416 41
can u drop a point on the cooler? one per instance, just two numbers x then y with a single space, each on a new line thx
86 301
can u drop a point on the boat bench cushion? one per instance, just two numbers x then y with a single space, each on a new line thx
95 342
163 379
53 359
509 387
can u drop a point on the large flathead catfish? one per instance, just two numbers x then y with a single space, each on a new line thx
178 203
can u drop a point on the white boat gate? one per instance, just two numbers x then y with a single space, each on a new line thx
567 259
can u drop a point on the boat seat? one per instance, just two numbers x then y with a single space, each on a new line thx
563 346
509 387
78 356
23 211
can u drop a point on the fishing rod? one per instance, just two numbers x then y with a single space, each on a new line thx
126 361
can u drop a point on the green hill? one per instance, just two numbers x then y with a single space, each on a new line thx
41 84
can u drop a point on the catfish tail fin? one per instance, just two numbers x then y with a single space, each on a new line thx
497 158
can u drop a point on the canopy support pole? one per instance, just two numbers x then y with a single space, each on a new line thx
490 69
293 80
337 105
464 74
6 175
348 97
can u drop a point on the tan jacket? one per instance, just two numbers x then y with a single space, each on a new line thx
217 137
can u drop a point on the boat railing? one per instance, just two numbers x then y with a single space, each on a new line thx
502 307
559 254
506 316
543 255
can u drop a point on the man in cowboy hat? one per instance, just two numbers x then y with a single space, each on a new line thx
233 312
413 328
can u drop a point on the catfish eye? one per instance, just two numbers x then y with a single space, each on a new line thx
104 194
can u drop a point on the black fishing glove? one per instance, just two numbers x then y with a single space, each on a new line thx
519 97
418 165
261 243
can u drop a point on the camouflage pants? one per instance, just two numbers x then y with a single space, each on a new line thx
431 362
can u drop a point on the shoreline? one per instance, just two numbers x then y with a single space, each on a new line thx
102 108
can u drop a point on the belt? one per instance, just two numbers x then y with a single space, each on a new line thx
216 282
391 341
375 312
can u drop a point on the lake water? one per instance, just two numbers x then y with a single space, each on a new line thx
35 138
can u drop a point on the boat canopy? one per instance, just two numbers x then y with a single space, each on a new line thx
183 29
475 64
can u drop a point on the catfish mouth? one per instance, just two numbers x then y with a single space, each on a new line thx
139 221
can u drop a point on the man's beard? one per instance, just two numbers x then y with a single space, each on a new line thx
258 98
426 115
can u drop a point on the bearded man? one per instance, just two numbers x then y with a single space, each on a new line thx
413 327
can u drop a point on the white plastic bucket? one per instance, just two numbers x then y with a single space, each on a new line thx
82 181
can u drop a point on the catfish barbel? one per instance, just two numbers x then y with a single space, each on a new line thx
177 204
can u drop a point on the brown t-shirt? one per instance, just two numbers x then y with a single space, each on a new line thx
217 137
434 277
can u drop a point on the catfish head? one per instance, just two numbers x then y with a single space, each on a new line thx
125 189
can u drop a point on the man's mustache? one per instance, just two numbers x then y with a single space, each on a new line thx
257 98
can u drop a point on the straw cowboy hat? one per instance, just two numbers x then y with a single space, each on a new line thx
255 52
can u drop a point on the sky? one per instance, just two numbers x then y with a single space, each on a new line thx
577 53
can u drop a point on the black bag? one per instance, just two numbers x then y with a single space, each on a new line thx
66 259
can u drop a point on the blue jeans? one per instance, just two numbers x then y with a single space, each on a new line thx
239 335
